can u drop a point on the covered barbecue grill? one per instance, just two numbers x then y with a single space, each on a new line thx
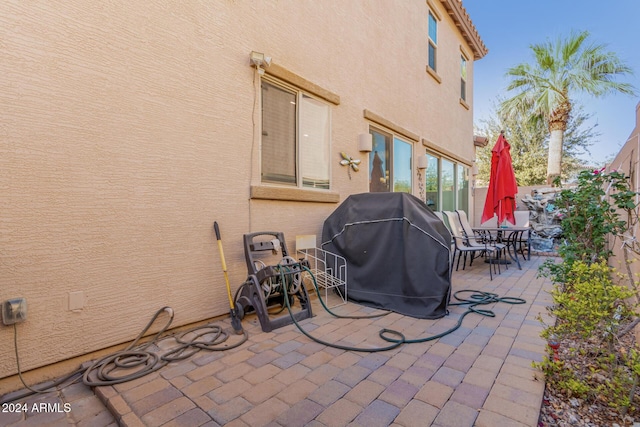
397 252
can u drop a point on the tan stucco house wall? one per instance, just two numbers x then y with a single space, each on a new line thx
127 128
628 161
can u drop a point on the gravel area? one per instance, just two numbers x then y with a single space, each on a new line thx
560 409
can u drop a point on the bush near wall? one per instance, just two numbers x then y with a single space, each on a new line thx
592 356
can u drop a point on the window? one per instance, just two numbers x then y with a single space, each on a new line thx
390 163
401 166
432 183
433 41
462 186
463 78
295 138
446 184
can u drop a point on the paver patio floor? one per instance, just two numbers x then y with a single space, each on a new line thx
479 375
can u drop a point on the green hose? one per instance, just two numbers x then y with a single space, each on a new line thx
396 338
339 346
476 298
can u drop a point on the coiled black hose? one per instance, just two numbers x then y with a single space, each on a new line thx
136 361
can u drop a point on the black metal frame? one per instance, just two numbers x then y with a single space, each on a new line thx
251 295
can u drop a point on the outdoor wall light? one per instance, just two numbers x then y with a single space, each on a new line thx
365 142
260 61
423 162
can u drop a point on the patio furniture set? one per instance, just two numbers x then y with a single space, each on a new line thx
493 242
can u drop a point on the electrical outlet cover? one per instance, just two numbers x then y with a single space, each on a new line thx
14 311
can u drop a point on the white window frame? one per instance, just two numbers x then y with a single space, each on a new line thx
432 43
461 168
299 172
394 137
456 184
464 74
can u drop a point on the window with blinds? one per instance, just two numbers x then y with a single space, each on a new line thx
296 137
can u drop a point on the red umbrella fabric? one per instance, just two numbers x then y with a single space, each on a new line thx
501 194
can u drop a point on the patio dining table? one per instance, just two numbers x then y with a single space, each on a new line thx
509 236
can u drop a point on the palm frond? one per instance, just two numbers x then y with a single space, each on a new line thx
571 47
562 69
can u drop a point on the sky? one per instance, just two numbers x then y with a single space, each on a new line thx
509 27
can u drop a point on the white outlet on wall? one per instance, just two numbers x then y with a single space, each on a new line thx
14 311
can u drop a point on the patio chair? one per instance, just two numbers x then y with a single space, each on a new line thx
444 220
463 246
475 236
446 224
484 237
523 220
491 223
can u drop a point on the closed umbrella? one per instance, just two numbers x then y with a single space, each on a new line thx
501 194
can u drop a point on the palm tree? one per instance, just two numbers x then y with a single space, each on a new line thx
529 140
562 70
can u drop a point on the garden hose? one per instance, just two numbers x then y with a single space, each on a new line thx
112 369
396 338
99 373
103 371
48 387
315 285
476 298
296 282
394 344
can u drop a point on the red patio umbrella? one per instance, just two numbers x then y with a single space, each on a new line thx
501 194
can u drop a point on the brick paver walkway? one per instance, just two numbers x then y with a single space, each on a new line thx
479 375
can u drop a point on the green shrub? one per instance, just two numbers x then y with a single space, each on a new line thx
589 304
591 212
590 308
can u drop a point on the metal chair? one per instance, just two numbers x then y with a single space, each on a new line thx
464 246
444 221
446 224
471 233
523 220
487 238
488 234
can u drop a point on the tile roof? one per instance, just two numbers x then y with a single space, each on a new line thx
461 18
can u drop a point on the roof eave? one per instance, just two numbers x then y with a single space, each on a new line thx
480 141
463 22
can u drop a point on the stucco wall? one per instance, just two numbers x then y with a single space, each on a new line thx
129 127
628 161
480 195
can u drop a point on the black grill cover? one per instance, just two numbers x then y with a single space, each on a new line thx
397 253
